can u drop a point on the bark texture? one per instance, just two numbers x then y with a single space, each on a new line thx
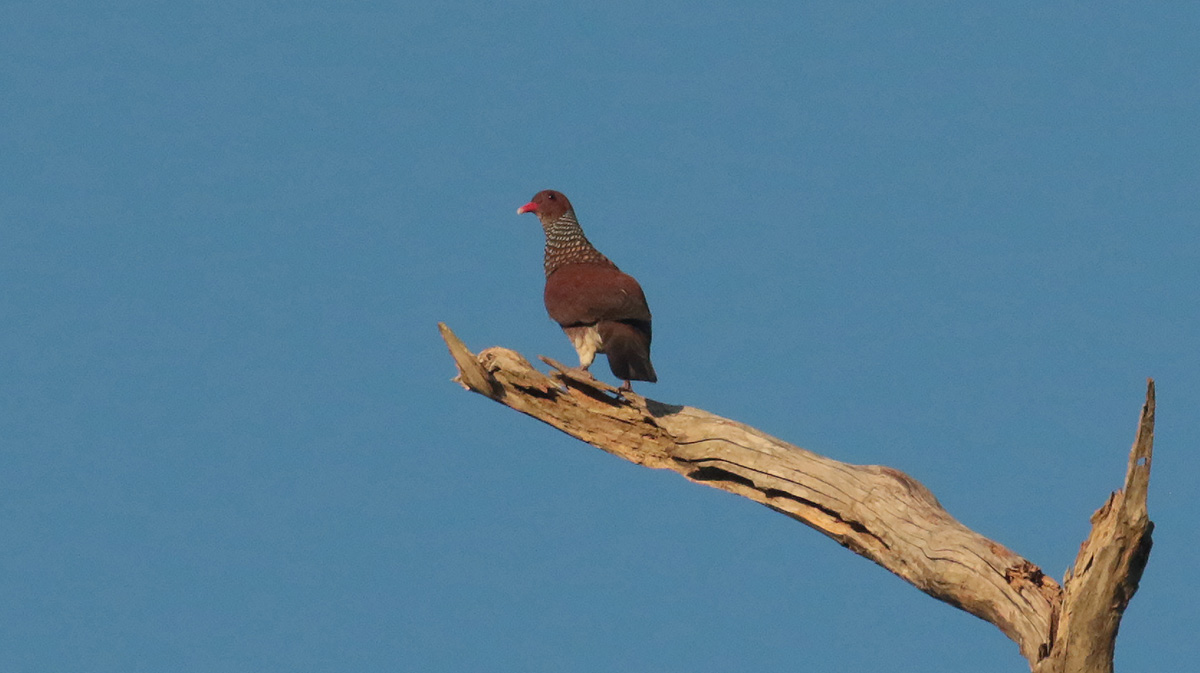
875 511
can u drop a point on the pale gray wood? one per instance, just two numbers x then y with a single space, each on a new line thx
877 512
1108 567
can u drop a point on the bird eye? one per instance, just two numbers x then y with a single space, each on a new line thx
550 196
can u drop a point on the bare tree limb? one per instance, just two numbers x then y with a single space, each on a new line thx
1108 568
877 512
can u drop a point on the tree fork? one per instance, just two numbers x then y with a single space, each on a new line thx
875 511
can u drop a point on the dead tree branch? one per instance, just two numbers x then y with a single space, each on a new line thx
877 512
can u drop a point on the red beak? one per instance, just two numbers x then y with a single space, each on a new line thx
530 207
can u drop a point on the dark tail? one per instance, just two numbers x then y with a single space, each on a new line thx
627 345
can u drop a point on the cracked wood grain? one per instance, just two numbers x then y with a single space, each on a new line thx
875 511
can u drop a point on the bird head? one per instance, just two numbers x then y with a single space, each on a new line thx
548 205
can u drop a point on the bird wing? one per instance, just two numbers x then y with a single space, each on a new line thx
584 294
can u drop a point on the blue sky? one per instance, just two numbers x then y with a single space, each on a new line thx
951 238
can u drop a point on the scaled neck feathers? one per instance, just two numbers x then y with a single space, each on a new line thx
566 244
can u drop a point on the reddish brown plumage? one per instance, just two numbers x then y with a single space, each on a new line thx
602 309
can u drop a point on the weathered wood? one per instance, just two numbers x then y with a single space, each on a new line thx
1108 567
877 512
